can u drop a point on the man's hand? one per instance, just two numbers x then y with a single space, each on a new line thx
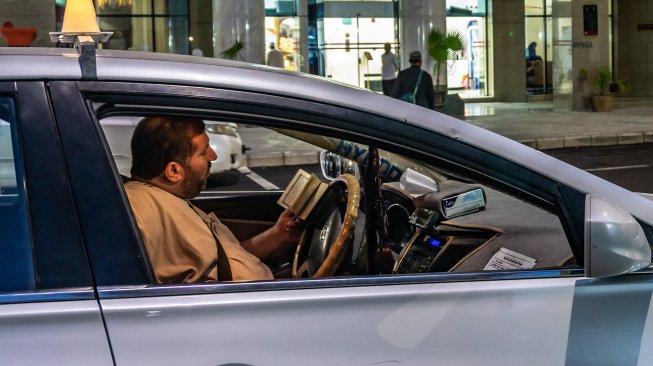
289 227
278 239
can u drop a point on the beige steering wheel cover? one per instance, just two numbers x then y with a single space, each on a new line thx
331 262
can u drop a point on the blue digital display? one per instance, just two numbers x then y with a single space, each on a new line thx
434 242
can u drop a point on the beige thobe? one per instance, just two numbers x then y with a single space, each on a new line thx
178 239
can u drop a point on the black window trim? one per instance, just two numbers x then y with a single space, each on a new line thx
52 295
58 246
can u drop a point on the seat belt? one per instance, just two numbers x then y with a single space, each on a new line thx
224 269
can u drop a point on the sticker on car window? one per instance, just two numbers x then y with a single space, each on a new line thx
508 259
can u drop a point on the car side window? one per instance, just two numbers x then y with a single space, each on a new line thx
455 223
16 258
440 221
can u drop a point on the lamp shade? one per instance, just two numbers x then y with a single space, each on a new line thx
79 17
18 37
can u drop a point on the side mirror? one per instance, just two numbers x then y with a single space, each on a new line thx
615 242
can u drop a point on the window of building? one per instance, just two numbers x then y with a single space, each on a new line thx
538 48
145 25
345 39
16 262
467 70
284 33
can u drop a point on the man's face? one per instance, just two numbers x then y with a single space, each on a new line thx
198 167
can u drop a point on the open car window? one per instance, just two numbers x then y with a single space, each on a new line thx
425 225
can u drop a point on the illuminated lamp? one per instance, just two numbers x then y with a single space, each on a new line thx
80 27
79 20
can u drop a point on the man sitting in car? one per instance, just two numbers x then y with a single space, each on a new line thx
171 159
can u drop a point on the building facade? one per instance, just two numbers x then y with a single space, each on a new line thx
343 39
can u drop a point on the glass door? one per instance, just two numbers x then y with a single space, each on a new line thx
538 48
353 48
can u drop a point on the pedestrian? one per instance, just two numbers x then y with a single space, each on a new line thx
531 52
414 84
389 68
275 57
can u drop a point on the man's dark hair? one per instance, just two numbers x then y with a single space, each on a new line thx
158 141
415 57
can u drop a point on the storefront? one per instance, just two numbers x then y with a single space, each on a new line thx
467 70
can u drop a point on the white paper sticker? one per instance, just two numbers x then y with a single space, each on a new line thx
507 259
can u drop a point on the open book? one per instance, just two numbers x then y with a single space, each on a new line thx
302 194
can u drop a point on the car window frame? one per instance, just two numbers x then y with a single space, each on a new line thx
60 266
124 98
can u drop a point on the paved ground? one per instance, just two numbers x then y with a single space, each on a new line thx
535 124
538 125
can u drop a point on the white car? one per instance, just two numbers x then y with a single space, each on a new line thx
435 241
223 138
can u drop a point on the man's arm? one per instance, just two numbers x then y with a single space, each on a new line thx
285 233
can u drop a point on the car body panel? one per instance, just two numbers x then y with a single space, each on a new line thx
46 333
409 324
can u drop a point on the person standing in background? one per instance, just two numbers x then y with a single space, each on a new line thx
275 57
389 68
415 82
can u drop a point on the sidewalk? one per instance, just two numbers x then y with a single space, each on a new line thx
535 124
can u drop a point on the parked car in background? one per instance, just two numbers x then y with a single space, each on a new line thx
223 138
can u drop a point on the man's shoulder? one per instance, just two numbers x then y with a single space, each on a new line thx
142 194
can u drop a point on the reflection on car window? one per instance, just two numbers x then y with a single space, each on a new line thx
16 268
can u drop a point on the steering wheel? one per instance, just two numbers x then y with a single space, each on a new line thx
329 230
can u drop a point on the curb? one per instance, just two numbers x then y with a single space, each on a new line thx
606 139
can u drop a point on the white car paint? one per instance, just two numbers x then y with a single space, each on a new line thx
229 148
519 321
41 334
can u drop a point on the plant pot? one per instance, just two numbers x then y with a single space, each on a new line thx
602 103
440 94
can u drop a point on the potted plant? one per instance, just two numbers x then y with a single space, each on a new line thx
602 101
441 46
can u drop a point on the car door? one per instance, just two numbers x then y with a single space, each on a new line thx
548 316
49 313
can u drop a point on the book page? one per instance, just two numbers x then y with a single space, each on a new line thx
294 190
302 194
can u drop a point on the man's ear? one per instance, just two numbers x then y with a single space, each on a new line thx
173 172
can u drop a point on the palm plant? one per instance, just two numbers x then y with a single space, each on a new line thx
233 52
442 46
602 81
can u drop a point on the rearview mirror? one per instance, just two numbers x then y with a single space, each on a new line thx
615 242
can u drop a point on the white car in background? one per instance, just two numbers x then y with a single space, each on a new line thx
223 138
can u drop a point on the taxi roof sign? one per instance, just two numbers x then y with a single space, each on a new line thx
79 20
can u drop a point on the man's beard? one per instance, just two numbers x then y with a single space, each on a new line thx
194 183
